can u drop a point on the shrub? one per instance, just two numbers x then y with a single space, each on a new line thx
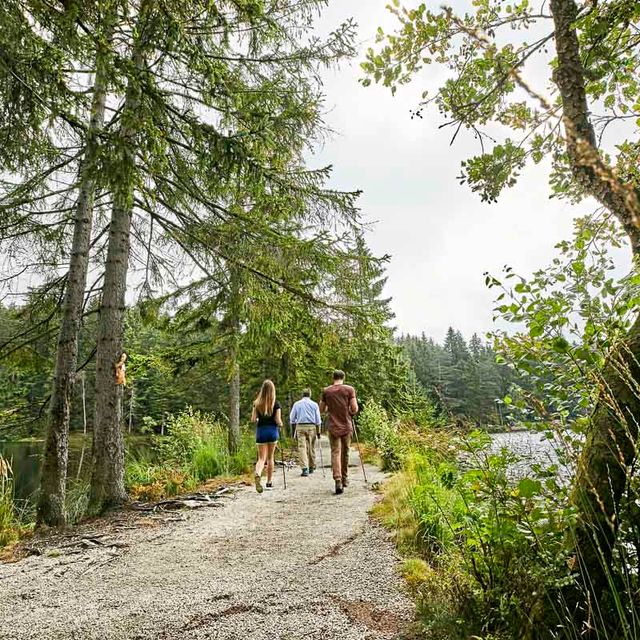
375 426
12 525
194 449
495 545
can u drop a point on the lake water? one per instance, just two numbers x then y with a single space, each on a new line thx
529 445
531 448
26 460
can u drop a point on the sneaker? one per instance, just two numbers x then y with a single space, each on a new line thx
345 482
258 482
269 485
311 470
339 488
305 472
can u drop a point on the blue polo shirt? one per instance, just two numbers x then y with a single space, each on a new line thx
305 411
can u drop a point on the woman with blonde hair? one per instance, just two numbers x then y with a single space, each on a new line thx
267 413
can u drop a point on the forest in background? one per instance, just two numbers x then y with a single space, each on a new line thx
175 363
156 194
180 358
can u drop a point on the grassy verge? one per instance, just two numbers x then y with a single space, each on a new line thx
488 554
193 451
13 524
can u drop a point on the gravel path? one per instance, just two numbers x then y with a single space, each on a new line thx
300 563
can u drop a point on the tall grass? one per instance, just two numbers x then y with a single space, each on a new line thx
11 526
193 450
488 555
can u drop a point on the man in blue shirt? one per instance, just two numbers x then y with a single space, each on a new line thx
305 418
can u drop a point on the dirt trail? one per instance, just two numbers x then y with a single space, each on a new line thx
300 563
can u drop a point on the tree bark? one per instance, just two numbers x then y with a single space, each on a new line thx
234 404
107 480
608 454
235 305
588 165
51 503
610 449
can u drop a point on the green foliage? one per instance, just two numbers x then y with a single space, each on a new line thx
435 503
12 523
8 519
487 52
77 500
498 536
186 433
497 540
193 450
375 426
462 380
571 317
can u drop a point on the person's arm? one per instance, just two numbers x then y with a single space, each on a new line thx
323 404
293 416
278 417
318 421
254 414
353 405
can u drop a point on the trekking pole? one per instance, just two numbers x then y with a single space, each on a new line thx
355 433
284 474
324 474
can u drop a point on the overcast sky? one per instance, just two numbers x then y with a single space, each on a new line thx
441 238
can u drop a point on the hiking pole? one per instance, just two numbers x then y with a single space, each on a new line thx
284 475
324 474
355 433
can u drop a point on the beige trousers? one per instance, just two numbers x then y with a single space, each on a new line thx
340 456
306 434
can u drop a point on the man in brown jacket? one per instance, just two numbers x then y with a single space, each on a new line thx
339 401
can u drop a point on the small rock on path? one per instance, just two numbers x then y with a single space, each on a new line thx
300 563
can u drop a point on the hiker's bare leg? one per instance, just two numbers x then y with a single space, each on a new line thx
262 458
271 448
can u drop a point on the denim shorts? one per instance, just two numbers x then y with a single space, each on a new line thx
267 434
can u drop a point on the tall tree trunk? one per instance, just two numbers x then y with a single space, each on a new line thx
234 404
235 306
51 504
610 448
107 480
608 454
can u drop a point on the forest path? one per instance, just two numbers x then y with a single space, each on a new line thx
300 563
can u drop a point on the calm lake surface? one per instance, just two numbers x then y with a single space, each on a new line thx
26 459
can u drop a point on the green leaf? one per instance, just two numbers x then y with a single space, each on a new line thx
527 488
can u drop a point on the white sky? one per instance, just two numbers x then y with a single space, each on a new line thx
440 236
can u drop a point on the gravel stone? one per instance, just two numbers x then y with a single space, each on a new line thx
300 563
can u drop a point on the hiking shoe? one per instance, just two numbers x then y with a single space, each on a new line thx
311 470
305 472
258 482
345 482
269 485
339 488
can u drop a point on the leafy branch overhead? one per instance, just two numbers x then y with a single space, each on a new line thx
577 109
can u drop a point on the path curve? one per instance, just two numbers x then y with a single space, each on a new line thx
300 563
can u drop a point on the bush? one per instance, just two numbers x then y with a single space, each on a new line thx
495 545
12 523
375 426
194 449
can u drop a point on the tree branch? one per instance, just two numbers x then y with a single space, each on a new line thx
589 168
